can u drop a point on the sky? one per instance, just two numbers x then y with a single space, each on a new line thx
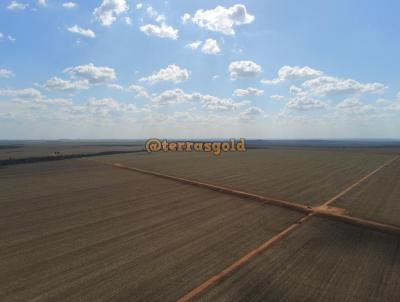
121 69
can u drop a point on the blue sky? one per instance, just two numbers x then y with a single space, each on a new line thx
196 69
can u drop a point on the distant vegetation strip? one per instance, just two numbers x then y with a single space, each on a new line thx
28 160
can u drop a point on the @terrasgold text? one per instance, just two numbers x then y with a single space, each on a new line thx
215 147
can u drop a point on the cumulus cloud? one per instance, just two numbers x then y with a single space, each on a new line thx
295 89
251 113
161 31
349 103
15 5
69 5
11 38
327 85
355 106
171 97
389 106
239 69
42 2
288 73
155 14
55 102
115 86
128 20
140 91
103 107
107 12
248 92
8 37
139 6
41 103
211 47
92 73
277 97
214 103
209 102
194 44
172 73
185 18
26 93
221 19
5 73
305 103
56 83
88 33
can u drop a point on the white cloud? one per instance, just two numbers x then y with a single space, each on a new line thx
106 104
55 102
288 73
221 19
217 104
171 97
15 5
88 33
11 38
56 83
171 73
163 31
389 106
128 20
355 106
42 2
69 5
277 97
239 69
194 44
326 85
155 14
349 103
209 102
295 89
105 107
41 103
210 47
139 6
251 113
5 73
140 92
248 92
115 86
92 73
304 103
26 93
185 18
107 12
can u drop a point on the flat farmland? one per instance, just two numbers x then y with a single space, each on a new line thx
322 261
77 230
303 176
378 198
